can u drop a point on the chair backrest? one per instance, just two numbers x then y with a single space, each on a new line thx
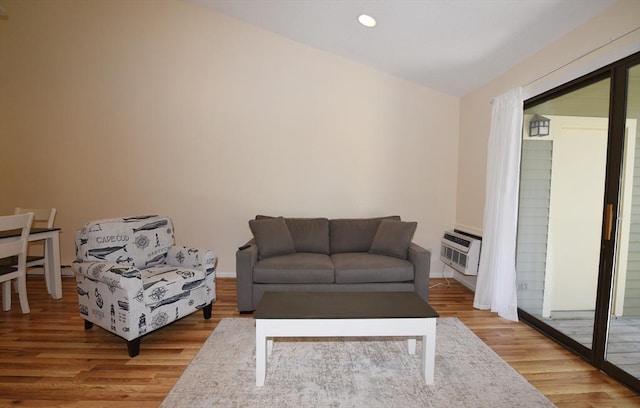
17 246
141 241
42 217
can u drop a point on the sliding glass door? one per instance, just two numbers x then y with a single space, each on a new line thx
622 348
578 248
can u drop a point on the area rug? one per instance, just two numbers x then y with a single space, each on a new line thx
351 372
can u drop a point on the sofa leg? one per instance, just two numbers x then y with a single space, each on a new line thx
134 347
87 325
207 311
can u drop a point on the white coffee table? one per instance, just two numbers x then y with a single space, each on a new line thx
345 314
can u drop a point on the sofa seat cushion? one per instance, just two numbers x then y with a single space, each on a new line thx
164 284
362 267
294 268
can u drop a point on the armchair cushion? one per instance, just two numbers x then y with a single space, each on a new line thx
165 283
139 241
120 276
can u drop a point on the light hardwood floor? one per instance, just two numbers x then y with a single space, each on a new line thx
47 359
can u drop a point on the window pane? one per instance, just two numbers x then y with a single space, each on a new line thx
623 341
560 214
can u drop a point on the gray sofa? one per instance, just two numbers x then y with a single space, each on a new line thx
319 254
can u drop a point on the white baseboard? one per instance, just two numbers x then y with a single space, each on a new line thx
65 271
225 274
467 280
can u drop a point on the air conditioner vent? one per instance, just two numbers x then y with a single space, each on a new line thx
461 252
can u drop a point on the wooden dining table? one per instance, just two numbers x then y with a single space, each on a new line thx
51 237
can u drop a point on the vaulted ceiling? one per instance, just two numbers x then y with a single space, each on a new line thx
453 46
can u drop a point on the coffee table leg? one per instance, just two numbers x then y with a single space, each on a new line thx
429 351
412 346
261 352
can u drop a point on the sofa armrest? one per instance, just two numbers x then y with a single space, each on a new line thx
246 258
421 260
190 257
125 277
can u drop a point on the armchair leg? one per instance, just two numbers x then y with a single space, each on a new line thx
87 325
207 311
133 346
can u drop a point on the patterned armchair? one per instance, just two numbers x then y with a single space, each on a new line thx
133 280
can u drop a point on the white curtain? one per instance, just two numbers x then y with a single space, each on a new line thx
496 283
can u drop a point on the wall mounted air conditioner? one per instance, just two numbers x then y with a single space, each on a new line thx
461 251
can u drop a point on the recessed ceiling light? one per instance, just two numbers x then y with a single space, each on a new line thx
367 21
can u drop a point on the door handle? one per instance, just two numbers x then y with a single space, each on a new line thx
608 222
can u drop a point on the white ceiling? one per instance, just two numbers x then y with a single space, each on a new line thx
453 46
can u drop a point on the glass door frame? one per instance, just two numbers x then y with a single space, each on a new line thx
618 74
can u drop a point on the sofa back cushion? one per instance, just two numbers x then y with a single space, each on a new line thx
393 238
140 241
355 234
272 237
310 234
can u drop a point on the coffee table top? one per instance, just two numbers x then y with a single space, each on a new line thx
342 305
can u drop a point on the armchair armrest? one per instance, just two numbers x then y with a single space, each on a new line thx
125 277
197 258
245 260
421 260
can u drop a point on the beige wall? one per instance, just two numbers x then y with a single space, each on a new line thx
536 74
132 107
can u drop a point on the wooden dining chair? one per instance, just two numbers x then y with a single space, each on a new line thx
42 218
10 247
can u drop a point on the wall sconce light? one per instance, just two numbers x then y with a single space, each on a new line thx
539 126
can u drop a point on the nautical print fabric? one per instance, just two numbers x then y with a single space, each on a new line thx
131 278
141 241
